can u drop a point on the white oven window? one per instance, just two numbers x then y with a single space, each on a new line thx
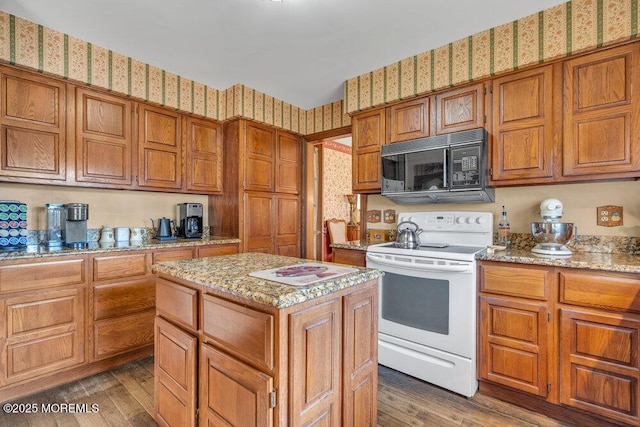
416 302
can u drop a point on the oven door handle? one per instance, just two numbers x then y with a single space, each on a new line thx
422 267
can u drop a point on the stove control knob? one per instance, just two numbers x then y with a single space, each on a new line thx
460 220
469 220
480 220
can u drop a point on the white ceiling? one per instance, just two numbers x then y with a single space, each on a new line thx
299 51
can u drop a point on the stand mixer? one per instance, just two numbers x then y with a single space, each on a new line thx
551 235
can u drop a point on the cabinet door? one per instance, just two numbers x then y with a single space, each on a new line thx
514 343
259 223
175 367
287 225
314 376
121 334
360 358
159 148
523 127
601 114
368 136
349 256
410 120
288 163
233 393
460 109
260 156
204 156
103 138
599 363
32 121
43 333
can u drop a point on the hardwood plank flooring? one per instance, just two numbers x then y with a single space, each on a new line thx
124 396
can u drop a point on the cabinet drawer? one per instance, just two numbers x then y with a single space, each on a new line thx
177 303
216 250
123 298
45 274
604 290
521 281
115 267
222 320
173 255
349 256
115 336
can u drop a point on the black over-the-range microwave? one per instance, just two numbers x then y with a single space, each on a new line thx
448 168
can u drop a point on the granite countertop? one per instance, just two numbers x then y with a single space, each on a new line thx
618 262
39 251
358 245
229 274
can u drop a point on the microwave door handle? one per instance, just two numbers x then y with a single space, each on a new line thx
413 266
444 162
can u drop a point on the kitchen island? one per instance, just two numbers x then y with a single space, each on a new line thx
234 349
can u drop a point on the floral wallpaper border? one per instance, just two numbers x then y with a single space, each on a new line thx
559 31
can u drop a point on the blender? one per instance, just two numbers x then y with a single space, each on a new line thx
551 234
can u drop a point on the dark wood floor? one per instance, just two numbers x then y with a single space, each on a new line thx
124 396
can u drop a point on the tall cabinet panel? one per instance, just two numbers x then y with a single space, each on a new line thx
32 121
103 138
368 134
260 157
159 148
601 122
288 167
204 155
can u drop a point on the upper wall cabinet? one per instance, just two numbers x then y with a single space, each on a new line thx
523 127
204 155
260 157
460 109
601 107
159 148
103 148
288 170
32 121
409 120
368 135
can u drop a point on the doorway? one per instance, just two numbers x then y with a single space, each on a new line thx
327 182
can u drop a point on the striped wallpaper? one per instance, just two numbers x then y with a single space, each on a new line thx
568 28
555 32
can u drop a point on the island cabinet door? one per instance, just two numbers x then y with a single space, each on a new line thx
314 377
233 393
175 363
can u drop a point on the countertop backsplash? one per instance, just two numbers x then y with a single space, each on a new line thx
585 243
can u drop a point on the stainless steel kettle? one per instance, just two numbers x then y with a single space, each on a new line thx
407 238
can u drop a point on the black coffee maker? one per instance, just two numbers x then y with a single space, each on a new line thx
190 220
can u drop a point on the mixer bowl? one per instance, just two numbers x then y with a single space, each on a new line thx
552 234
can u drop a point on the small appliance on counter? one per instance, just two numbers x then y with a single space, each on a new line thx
13 225
55 225
163 232
75 225
189 220
551 235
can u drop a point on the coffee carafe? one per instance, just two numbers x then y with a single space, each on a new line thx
190 220
75 224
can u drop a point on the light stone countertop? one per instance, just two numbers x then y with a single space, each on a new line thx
40 251
229 274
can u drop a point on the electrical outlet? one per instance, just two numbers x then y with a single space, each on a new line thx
609 216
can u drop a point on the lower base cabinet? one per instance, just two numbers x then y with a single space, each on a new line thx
314 363
561 341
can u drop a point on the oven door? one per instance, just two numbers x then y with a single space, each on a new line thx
426 301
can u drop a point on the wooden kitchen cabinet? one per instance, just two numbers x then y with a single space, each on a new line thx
204 155
515 327
524 126
601 114
288 163
272 224
159 148
409 120
567 340
368 135
103 139
460 109
33 140
355 257
260 157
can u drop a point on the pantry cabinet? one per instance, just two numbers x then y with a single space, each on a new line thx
272 224
33 140
103 139
204 155
567 338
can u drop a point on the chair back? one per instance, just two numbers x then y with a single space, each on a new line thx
337 230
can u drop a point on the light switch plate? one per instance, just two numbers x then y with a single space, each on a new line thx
609 216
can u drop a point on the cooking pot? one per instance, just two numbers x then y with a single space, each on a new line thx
407 238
